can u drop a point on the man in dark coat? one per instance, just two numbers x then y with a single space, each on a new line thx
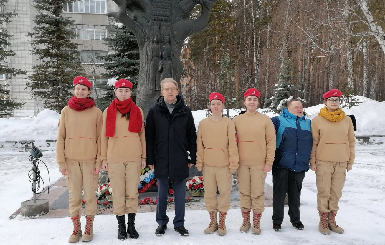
171 150
292 157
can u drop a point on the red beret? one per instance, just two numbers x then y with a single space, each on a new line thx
216 96
82 80
332 93
123 83
252 92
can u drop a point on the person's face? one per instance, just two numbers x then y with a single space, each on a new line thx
123 93
81 91
296 108
332 103
169 92
216 107
251 103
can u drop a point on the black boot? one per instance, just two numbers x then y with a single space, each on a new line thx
131 226
122 234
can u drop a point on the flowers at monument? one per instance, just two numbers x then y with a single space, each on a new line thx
146 179
104 192
195 184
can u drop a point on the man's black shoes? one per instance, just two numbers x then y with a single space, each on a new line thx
181 230
277 227
298 225
160 230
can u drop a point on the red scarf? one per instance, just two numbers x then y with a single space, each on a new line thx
80 104
126 106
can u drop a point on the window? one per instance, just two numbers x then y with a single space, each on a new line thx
90 32
2 77
92 56
86 6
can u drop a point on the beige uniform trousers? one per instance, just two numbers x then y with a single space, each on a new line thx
251 183
213 178
80 177
330 178
124 180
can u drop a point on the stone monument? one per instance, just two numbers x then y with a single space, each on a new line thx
161 27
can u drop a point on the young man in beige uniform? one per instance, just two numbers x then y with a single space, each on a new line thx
256 147
78 155
123 155
217 156
331 156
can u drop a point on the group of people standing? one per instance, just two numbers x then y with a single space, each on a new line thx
121 141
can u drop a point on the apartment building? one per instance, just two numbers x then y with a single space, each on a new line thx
90 27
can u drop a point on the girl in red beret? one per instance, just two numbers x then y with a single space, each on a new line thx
123 155
217 156
256 147
332 155
78 156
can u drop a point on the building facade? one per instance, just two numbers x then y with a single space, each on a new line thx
90 27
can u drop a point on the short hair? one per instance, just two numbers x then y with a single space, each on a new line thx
291 101
168 80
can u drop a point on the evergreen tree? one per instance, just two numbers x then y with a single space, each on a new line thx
7 105
286 89
121 62
58 57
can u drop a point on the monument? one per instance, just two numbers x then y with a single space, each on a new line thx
161 27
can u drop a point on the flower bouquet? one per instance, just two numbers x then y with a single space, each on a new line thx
195 186
146 180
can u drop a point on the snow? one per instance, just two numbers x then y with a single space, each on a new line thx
361 206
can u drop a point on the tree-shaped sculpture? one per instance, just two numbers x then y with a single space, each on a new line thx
161 27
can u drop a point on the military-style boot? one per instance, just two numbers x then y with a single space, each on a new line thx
332 223
222 224
256 223
131 231
89 232
323 223
213 226
122 233
77 232
246 222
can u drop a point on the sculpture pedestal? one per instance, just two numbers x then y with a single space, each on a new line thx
31 208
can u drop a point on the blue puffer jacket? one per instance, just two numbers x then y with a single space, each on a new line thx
294 142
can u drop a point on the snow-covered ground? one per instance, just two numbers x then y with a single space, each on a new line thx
361 207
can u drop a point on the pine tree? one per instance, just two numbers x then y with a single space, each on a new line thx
121 62
286 89
58 57
7 105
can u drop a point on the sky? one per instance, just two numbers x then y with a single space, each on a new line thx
361 206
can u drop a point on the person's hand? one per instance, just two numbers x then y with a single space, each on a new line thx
63 171
190 165
151 166
105 166
143 164
313 167
349 167
96 170
267 168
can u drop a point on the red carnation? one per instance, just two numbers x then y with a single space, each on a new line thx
194 180
83 202
106 192
170 199
105 203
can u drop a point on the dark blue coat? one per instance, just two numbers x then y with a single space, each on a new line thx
168 138
294 142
